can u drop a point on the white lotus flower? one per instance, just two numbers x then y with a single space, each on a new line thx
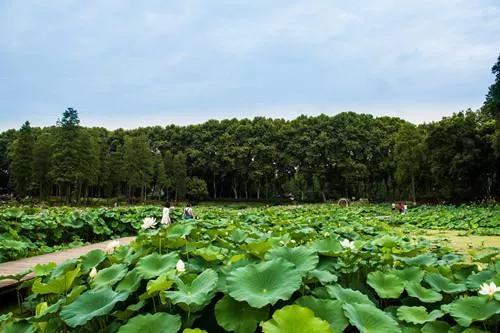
111 245
293 241
346 244
180 266
489 289
148 222
93 273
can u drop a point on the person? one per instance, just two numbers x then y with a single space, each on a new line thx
188 212
400 206
166 213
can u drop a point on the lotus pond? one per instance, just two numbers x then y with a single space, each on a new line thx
312 268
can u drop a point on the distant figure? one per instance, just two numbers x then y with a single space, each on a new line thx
188 212
343 202
166 214
400 206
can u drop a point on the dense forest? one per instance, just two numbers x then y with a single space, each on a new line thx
312 158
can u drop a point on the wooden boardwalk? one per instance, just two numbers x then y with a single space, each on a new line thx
22 265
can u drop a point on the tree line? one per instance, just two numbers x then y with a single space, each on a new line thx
310 158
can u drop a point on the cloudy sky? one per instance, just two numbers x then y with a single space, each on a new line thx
139 63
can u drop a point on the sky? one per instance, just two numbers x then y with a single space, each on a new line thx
124 63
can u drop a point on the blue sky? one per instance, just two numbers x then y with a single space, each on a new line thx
139 63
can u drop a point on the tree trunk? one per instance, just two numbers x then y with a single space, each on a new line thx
214 186
323 195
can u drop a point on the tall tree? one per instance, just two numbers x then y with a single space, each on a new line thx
21 155
42 152
138 164
179 175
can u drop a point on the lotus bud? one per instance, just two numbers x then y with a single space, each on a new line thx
180 266
93 273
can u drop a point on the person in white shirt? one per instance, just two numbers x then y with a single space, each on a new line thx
166 213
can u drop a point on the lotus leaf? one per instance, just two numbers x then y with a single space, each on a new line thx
295 319
44 269
474 281
301 257
210 253
154 265
160 284
328 247
263 283
437 326
426 259
417 314
194 330
326 309
92 259
423 294
468 309
59 285
440 283
109 276
257 248
19 327
369 319
180 230
387 285
130 282
237 316
348 296
322 276
152 323
197 293
410 274
91 304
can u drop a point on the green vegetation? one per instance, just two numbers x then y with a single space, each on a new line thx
275 269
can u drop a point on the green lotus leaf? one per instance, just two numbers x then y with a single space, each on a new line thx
437 326
440 283
75 292
469 309
369 319
427 259
347 295
152 323
130 282
387 241
180 230
92 259
417 314
387 285
486 257
5 317
109 276
238 236
471 330
61 269
91 304
303 258
410 274
423 294
322 276
326 309
237 316
257 248
198 292
154 265
263 283
194 330
210 253
474 281
328 247
295 319
162 283
19 327
59 285
44 269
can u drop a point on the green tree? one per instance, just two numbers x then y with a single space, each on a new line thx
196 188
408 154
138 164
179 170
42 152
21 155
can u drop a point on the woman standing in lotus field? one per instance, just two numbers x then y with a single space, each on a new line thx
166 213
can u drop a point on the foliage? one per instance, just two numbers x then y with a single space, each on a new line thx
276 268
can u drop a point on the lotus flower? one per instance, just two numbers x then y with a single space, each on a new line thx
489 289
180 266
93 273
148 222
346 244
111 246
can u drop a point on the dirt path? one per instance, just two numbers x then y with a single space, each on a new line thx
22 265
